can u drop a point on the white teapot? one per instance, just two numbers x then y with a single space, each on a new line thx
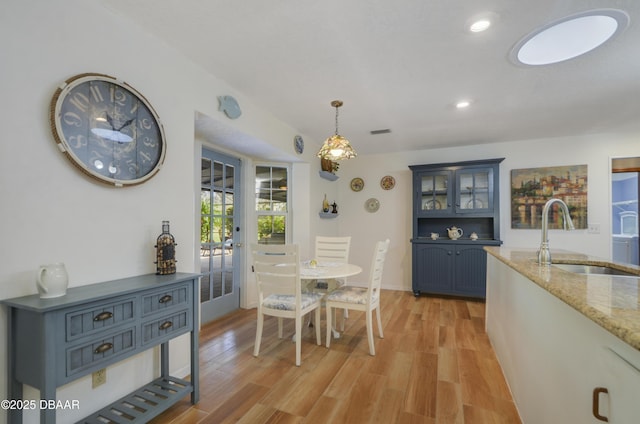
454 232
52 280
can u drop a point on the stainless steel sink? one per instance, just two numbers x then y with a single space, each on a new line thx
594 269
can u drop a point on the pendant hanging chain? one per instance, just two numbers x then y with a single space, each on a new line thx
336 120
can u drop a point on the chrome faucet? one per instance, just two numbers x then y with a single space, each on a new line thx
544 256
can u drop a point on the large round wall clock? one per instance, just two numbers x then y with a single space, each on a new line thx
107 129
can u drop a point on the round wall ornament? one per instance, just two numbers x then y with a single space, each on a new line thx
372 205
357 184
107 129
387 182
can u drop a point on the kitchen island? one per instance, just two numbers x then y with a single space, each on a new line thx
568 343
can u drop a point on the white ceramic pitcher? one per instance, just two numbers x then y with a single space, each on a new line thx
52 280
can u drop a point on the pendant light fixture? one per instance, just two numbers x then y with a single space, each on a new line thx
336 147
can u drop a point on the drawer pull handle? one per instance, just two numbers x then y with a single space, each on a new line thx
596 403
166 298
103 316
166 325
103 348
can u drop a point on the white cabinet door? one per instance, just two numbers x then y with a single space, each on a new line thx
621 378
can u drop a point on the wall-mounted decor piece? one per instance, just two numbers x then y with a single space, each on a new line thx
328 169
298 144
107 129
387 182
531 188
229 105
372 205
357 184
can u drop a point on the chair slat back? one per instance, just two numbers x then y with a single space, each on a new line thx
332 249
277 269
377 266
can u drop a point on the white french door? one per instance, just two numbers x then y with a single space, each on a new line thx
220 203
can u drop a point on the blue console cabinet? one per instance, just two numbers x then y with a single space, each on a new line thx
52 342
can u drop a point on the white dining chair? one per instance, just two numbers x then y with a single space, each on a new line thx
277 270
365 299
333 249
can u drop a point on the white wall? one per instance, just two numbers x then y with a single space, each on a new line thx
394 218
51 212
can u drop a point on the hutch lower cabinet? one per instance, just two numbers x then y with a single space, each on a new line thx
450 268
456 212
55 341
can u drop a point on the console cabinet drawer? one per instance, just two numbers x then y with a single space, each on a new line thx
100 350
164 299
99 318
157 330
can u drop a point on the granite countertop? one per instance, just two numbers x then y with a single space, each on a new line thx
612 302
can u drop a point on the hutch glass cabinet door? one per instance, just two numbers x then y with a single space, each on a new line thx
435 192
474 190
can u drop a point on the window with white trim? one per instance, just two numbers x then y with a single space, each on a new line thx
271 203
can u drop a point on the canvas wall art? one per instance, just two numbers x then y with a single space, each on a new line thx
531 188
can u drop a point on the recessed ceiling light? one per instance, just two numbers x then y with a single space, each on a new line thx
480 25
463 104
481 21
569 37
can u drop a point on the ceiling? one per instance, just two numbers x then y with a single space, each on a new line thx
401 65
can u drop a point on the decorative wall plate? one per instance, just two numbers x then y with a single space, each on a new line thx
298 144
372 205
357 184
387 182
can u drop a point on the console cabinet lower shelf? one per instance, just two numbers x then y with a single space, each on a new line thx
144 404
55 341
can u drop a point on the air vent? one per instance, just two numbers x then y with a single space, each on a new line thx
384 131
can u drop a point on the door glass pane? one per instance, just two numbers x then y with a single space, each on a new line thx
229 177
206 172
217 174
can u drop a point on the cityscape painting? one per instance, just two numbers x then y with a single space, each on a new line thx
532 188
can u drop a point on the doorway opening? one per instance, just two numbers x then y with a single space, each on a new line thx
625 179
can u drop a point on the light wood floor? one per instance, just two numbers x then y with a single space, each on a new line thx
435 365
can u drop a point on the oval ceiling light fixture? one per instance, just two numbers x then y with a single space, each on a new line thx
569 37
463 104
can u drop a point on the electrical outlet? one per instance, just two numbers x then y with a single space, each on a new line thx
98 378
594 229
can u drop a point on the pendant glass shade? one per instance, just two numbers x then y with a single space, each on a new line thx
336 147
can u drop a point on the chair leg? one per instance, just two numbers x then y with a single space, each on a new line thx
298 339
256 347
372 349
379 322
279 327
329 312
318 336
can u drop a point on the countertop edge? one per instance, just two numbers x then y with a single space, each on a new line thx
568 287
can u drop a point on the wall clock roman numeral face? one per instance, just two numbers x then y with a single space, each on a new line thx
107 129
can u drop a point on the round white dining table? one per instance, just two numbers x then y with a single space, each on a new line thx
327 271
